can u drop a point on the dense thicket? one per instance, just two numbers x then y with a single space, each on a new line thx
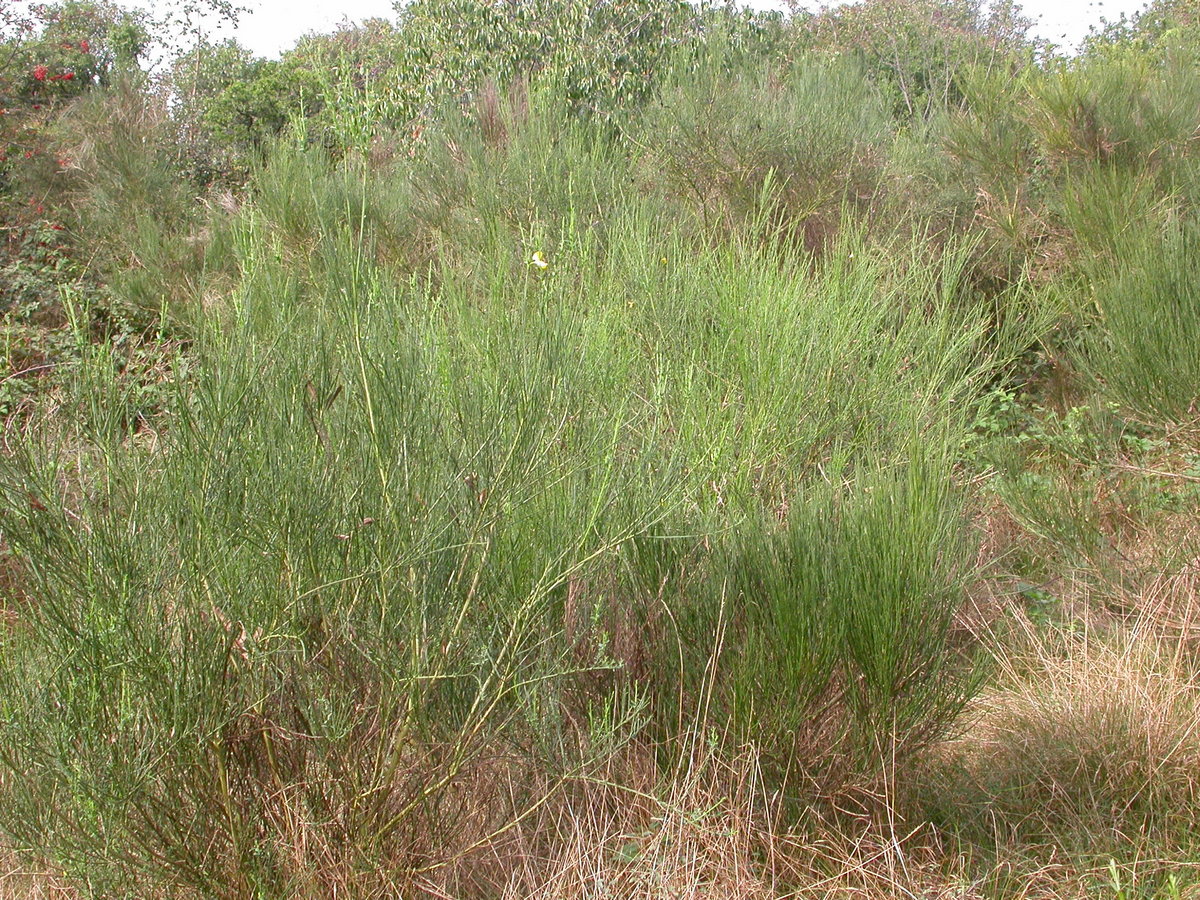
512 408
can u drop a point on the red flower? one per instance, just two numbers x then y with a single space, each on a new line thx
67 76
85 46
40 72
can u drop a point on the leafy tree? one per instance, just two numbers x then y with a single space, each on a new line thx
601 53
1162 25
252 109
195 82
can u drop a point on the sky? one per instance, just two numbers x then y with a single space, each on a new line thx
274 25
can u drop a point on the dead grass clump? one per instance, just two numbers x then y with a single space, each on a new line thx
20 881
632 834
1085 744
715 831
1172 604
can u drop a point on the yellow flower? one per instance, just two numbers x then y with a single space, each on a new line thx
539 261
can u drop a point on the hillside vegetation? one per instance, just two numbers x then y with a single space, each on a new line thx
547 449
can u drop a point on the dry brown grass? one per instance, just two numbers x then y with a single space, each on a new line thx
1084 743
1084 750
20 881
1171 604
716 831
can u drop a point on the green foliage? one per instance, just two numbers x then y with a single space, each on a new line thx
384 82
406 525
1046 162
367 90
119 146
1162 25
53 55
849 607
251 111
598 55
475 396
1145 347
918 48
197 82
800 143
33 343
1120 110
386 605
